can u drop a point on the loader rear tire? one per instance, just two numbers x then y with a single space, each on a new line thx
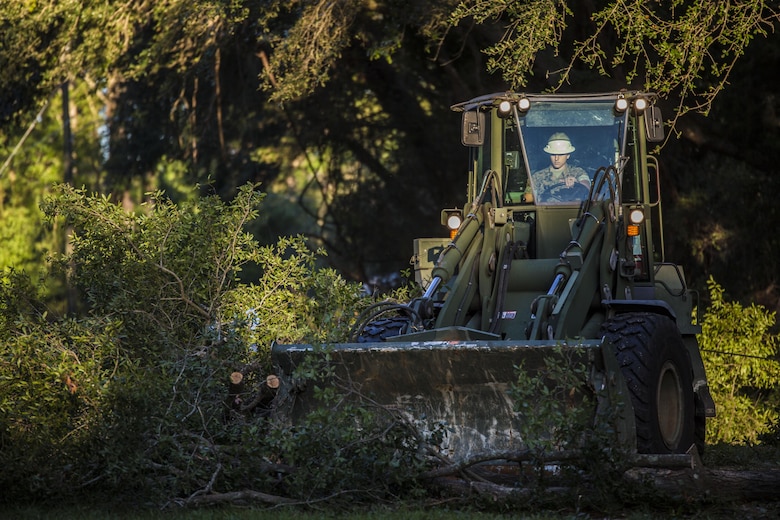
379 330
658 373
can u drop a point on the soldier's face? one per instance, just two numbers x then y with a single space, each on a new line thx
558 160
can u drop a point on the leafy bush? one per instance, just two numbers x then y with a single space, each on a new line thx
55 377
740 357
556 402
294 300
130 398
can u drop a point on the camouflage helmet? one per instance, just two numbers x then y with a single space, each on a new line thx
559 144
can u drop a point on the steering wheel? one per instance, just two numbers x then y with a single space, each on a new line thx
563 193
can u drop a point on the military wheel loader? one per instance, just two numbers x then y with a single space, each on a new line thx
539 260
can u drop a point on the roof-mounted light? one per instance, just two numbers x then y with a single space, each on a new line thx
621 104
640 104
504 108
523 104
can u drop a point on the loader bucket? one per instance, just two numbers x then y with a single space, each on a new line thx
464 388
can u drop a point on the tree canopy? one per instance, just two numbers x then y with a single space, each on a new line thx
340 109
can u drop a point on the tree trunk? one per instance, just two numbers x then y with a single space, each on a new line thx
720 484
676 477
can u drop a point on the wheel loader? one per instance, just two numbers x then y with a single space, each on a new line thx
541 260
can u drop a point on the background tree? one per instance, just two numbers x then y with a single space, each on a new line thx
352 122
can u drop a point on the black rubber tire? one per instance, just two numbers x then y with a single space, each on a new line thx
658 373
379 330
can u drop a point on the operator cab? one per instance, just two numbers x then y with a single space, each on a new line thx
585 134
552 153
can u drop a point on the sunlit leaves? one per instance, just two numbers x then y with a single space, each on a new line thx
136 391
740 356
530 27
668 46
303 57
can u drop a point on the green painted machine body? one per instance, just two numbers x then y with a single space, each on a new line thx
539 263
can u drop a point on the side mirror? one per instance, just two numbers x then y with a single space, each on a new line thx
654 124
473 128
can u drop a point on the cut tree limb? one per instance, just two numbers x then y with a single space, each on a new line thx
675 477
235 497
720 484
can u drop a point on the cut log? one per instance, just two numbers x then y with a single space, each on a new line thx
235 390
247 496
719 484
675 477
265 396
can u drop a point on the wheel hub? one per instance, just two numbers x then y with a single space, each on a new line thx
670 405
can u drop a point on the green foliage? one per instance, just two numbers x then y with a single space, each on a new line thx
345 445
308 52
32 161
532 27
55 378
294 301
130 400
560 422
740 357
164 270
688 48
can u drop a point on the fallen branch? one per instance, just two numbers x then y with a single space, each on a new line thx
701 483
233 497
500 458
675 477
464 488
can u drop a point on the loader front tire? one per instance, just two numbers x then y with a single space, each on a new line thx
658 373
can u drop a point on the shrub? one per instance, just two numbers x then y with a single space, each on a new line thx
55 377
129 398
740 357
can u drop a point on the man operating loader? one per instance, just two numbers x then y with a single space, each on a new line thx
559 175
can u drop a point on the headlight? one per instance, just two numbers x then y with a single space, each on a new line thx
454 221
636 216
524 104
